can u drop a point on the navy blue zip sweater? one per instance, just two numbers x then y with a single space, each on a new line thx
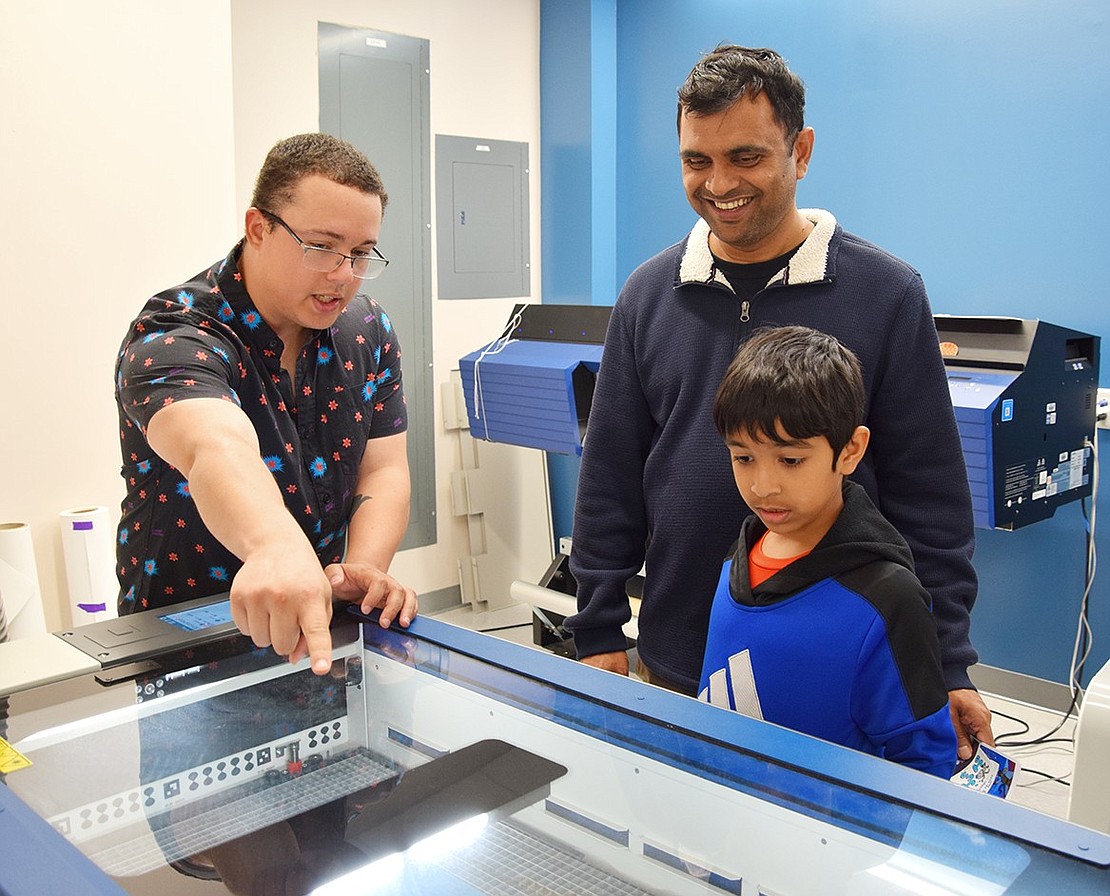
655 485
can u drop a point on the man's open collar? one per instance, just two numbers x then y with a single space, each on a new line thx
810 264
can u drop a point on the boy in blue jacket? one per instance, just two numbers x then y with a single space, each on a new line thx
819 623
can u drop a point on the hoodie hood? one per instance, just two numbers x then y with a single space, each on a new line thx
860 535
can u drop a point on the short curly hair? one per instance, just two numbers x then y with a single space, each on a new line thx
295 158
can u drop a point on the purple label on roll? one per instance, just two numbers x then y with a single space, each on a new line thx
92 608
80 525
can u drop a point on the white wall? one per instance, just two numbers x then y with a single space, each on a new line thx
131 134
116 180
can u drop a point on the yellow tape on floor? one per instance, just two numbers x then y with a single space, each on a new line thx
11 759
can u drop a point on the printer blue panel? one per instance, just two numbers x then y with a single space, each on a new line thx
1024 394
523 393
974 397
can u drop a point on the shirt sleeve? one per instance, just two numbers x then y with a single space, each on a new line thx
164 362
610 516
923 487
899 700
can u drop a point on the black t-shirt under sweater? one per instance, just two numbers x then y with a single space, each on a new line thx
748 279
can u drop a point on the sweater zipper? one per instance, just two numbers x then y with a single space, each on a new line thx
745 307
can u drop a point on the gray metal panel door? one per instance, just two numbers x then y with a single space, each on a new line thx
374 93
482 217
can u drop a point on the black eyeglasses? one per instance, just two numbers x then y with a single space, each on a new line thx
365 266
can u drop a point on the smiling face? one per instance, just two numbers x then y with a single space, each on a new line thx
741 174
793 485
292 299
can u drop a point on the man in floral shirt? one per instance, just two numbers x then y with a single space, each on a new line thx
262 418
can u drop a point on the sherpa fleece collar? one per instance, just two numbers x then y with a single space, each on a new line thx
810 264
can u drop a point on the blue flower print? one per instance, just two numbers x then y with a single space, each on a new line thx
219 573
186 298
251 319
123 536
183 489
318 468
324 355
274 463
369 390
150 568
224 312
150 337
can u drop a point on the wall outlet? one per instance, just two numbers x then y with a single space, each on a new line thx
1102 410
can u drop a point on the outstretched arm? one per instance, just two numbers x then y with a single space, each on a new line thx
280 597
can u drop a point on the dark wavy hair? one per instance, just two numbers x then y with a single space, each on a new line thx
729 72
794 378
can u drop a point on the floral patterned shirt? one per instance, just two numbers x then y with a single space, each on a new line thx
205 339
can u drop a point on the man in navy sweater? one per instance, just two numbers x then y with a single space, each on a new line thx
655 488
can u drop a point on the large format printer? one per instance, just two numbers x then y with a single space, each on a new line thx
1024 394
1025 397
534 385
162 752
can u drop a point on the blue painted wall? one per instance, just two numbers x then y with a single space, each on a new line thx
966 138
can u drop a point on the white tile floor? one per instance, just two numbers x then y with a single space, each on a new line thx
1045 767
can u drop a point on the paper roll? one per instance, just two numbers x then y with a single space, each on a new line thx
89 551
19 582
